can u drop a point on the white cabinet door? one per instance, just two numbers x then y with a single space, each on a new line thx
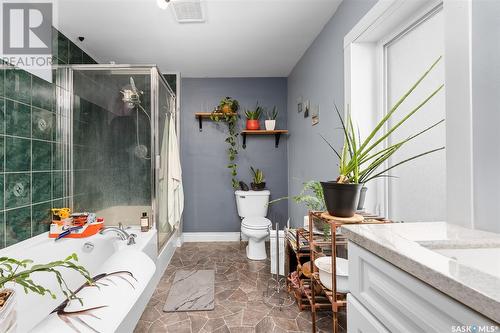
401 302
360 320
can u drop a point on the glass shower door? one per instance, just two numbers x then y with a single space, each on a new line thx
112 143
113 123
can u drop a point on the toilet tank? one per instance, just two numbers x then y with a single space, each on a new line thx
252 203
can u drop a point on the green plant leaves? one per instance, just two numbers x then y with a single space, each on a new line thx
232 140
23 278
254 114
359 160
258 175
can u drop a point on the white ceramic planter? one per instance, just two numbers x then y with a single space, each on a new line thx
324 265
270 125
8 317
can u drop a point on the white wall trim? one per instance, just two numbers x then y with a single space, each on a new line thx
377 13
190 237
459 139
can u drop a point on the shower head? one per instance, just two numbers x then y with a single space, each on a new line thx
131 95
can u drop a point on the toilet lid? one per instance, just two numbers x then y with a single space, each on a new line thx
256 222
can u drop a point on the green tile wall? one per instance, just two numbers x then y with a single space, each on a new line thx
31 175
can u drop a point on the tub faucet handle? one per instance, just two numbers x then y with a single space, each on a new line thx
122 226
131 239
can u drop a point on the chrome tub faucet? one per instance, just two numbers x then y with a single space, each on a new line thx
120 231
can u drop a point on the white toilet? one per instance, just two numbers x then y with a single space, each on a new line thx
252 208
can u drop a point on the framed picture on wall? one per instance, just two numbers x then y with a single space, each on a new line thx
300 105
315 114
306 108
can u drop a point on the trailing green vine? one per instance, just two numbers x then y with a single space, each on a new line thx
231 119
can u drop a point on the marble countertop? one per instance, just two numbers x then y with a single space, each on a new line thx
412 247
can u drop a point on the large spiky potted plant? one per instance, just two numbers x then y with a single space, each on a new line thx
359 161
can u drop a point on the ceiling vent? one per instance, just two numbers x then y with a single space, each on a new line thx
186 11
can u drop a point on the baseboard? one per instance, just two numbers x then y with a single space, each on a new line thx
191 237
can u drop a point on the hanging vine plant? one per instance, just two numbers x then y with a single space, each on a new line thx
227 112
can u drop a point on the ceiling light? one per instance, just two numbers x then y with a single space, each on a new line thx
163 4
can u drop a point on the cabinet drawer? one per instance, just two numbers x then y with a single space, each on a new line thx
360 320
401 302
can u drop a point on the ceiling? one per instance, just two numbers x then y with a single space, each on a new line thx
240 38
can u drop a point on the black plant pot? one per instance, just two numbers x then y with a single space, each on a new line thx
341 199
258 187
362 195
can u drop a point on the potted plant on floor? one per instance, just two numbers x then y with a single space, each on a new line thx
258 183
359 161
13 271
228 105
253 117
270 121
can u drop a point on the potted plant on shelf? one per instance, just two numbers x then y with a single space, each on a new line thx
13 271
270 121
231 119
258 183
359 161
253 117
228 105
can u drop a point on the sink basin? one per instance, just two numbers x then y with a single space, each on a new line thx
483 259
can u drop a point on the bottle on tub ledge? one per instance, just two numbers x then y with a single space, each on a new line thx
144 222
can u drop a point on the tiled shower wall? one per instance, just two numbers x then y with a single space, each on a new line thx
31 175
106 171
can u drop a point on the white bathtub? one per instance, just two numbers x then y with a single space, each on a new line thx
108 254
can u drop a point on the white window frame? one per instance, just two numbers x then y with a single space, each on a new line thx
365 85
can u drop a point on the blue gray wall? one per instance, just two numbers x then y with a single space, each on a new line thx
319 77
210 204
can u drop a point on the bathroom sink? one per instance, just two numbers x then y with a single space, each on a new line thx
483 259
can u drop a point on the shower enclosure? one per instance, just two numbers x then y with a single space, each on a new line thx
112 125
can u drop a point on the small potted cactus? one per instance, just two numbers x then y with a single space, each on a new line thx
270 121
258 182
253 117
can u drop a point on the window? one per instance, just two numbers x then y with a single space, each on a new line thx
385 54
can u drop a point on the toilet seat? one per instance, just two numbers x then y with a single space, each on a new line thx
255 223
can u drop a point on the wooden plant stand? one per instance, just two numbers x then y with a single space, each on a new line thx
297 254
327 299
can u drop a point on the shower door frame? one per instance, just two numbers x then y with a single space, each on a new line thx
65 98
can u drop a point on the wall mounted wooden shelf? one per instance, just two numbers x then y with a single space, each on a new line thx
276 133
207 115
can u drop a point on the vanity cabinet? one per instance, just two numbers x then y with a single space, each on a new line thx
385 298
360 320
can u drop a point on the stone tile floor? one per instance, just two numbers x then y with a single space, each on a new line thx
239 287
